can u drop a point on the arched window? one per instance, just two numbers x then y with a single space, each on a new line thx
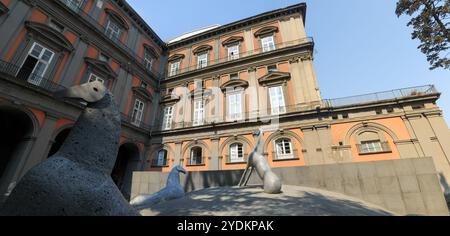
370 142
284 149
236 153
161 158
196 157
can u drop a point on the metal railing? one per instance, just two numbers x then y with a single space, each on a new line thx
294 155
156 163
382 148
240 56
132 121
195 162
239 161
32 79
116 41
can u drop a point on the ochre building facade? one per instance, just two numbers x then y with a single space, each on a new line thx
196 100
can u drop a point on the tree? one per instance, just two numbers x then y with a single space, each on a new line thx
430 22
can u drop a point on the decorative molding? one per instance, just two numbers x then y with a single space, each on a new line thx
433 114
202 48
304 57
274 78
142 92
170 99
117 18
49 34
413 116
251 69
266 30
176 57
101 66
232 40
235 83
151 50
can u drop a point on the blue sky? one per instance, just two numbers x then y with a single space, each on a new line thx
361 46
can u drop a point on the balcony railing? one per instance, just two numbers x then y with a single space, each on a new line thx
31 79
380 147
292 156
132 121
195 162
116 41
236 161
241 55
263 114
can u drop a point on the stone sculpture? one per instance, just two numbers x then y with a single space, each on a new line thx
173 190
76 180
271 182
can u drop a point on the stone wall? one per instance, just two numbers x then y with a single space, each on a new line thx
407 186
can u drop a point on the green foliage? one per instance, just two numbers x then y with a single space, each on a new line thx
430 22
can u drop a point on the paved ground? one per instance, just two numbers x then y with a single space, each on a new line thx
294 201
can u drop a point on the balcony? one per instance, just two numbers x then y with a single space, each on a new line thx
114 40
159 164
241 56
326 104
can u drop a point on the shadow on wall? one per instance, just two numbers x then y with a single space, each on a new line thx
207 179
228 201
446 187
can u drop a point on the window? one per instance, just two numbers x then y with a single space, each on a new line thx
103 57
272 68
93 77
198 112
113 30
235 106
267 43
202 60
277 100
161 158
138 112
234 76
236 153
371 146
36 64
284 149
198 84
168 117
196 157
143 85
75 5
233 52
174 68
56 26
148 60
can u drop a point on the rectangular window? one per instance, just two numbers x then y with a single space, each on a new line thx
93 77
162 158
272 68
277 100
75 5
36 64
284 149
199 107
268 44
138 112
236 153
235 106
202 60
168 118
233 52
113 30
174 68
371 146
148 61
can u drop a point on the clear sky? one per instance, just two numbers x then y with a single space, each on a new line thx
361 46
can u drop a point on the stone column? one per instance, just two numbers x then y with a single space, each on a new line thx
178 154
214 162
253 93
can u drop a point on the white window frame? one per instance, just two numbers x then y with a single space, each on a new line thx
233 52
174 68
113 30
148 60
234 101
277 101
371 146
236 155
202 60
199 112
93 77
268 43
281 150
75 5
168 117
191 162
162 157
138 112
35 78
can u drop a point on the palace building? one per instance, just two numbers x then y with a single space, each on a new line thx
196 100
